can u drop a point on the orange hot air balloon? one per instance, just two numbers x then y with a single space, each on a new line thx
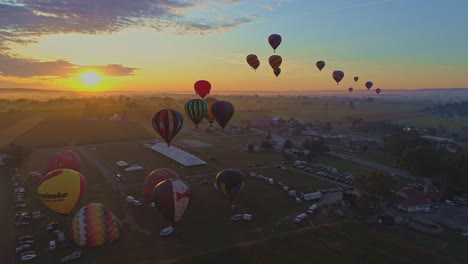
253 61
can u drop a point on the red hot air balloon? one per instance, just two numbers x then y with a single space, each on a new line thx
66 159
350 89
167 123
202 88
253 61
154 178
378 90
275 61
338 76
274 40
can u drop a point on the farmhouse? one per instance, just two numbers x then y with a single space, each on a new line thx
414 200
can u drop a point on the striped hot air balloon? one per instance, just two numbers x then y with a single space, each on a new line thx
275 41
275 61
223 112
196 110
230 181
209 116
172 198
95 225
154 178
253 61
338 76
167 123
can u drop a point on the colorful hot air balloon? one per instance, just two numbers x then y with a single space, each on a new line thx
66 159
275 41
253 61
95 225
350 89
167 123
378 90
209 116
60 190
277 71
154 178
202 88
230 181
356 78
320 65
223 112
338 76
275 61
369 85
196 110
172 197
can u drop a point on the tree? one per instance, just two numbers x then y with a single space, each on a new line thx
16 155
421 161
287 144
376 187
316 146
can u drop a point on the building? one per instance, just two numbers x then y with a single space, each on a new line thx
414 200
441 143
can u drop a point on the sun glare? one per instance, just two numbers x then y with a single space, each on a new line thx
90 78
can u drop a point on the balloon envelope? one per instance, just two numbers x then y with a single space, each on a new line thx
320 65
66 159
60 190
378 90
223 112
275 61
253 61
209 116
154 178
167 123
350 89
95 225
196 110
172 197
369 85
274 40
202 88
230 181
277 71
356 79
338 76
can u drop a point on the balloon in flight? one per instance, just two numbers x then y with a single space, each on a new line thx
223 112
202 88
277 71
60 190
350 89
274 40
338 76
167 123
369 85
196 110
253 61
378 90
275 61
320 65
356 78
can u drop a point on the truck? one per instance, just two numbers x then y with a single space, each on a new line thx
311 196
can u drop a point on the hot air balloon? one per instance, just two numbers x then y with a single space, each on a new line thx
275 61
209 116
66 159
196 110
275 41
172 198
320 65
223 112
202 88
230 181
95 225
378 90
277 71
167 123
350 89
253 61
154 178
338 76
356 78
369 85
60 190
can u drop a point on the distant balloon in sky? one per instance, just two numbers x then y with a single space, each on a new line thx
274 40
338 76
253 61
369 85
196 110
350 89
167 123
356 79
277 71
202 88
320 65
223 112
378 90
275 61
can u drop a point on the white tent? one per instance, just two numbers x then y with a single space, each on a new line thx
178 155
134 168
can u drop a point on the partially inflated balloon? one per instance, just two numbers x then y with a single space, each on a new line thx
196 110
230 181
320 65
209 116
172 198
356 79
369 85
95 225
277 71
338 76
167 123
66 159
253 61
275 61
274 40
350 89
60 190
202 88
154 178
223 112
378 90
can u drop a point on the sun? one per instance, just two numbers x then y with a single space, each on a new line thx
90 78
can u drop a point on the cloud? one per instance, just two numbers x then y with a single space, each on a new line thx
27 68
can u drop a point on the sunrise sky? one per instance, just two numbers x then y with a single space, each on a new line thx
167 45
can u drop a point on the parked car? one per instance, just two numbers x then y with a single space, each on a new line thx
22 242
339 213
28 257
23 248
25 237
21 205
73 256
451 203
28 252
51 226
236 217
21 223
136 203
